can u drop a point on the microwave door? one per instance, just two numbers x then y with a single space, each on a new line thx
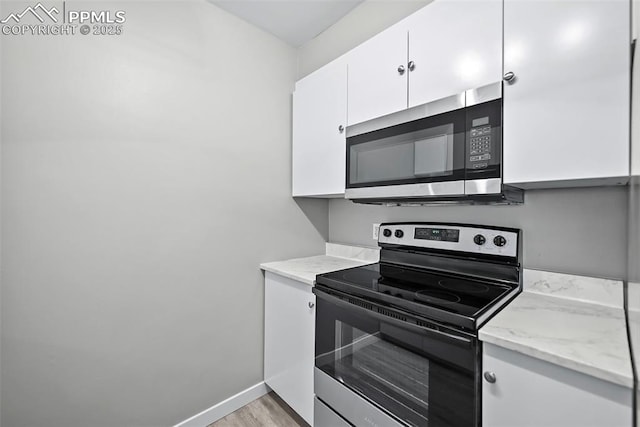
422 158
433 156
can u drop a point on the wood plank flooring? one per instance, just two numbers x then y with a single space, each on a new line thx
267 411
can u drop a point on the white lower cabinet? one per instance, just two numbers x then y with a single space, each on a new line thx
289 329
529 392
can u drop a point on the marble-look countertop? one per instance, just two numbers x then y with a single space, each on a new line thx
338 257
571 321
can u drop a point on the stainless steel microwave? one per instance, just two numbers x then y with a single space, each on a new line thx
449 150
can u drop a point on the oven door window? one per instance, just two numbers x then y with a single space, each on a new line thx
425 150
420 379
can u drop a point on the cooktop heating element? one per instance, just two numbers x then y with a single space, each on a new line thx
436 296
463 286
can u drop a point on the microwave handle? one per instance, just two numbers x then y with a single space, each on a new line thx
416 328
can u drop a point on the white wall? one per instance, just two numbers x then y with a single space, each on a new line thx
144 178
580 231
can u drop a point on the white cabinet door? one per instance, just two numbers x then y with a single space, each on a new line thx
566 113
528 392
375 86
454 45
289 332
319 118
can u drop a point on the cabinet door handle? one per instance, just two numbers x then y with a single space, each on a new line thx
412 65
490 377
509 77
401 69
311 304
340 128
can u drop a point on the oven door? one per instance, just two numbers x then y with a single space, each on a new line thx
376 365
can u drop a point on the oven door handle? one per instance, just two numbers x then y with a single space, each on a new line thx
417 328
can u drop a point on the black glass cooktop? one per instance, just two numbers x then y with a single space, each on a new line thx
416 290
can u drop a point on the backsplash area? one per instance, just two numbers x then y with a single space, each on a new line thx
554 240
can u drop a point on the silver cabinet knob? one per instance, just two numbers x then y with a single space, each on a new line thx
340 128
490 377
412 65
311 304
401 69
509 77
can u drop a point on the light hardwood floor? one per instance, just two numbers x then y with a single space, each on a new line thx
267 411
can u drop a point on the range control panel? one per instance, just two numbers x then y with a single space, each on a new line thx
480 143
473 239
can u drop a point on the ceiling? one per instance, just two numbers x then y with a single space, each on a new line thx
294 21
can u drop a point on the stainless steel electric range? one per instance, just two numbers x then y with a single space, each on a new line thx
397 342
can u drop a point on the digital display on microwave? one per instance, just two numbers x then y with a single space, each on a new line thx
480 122
438 234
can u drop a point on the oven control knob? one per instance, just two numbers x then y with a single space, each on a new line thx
479 239
399 234
386 232
499 241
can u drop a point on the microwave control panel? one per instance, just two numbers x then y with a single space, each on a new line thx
480 144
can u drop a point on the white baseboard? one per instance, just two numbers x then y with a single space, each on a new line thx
224 408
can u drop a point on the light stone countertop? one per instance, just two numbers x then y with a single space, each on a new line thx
338 257
571 321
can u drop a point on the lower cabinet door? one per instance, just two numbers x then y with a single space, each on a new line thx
521 391
289 317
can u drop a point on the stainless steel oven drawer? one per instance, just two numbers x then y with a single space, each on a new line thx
348 404
323 416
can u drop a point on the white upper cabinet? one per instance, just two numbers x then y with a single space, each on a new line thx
378 75
454 45
445 48
566 66
319 119
566 111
